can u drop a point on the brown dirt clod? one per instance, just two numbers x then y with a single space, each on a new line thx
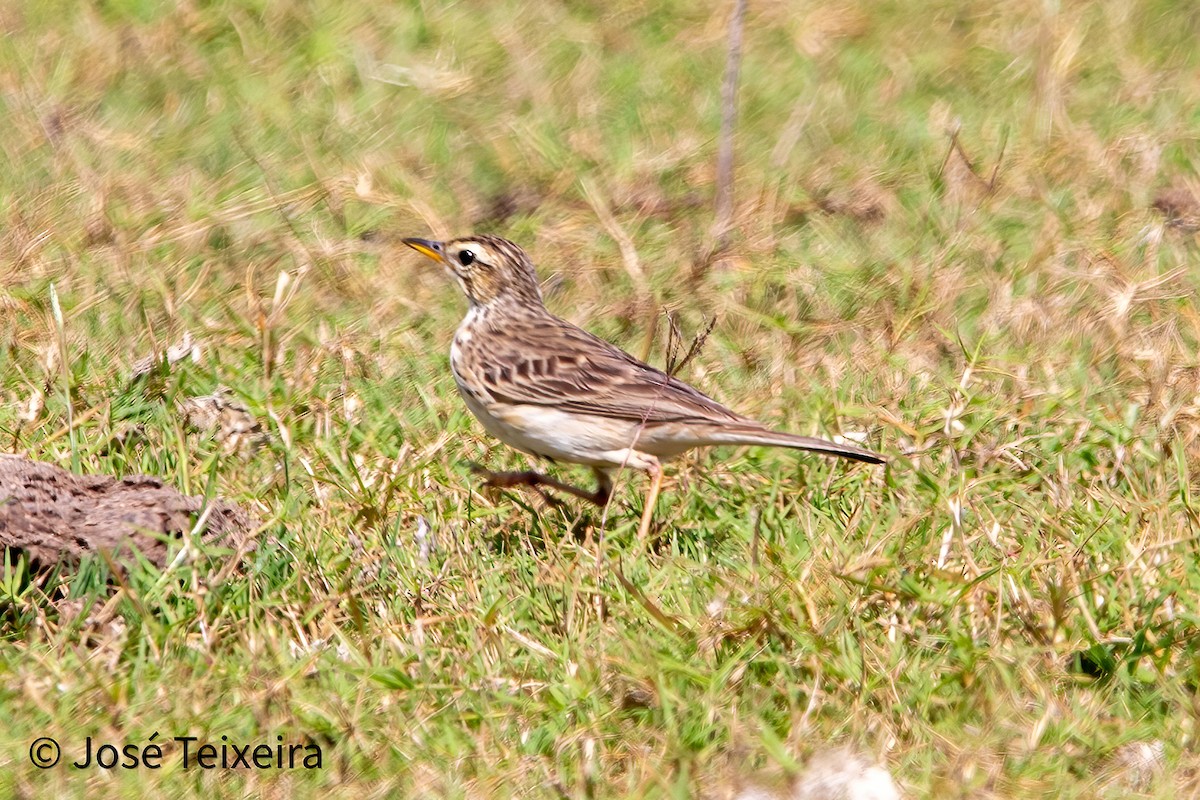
56 516
1180 205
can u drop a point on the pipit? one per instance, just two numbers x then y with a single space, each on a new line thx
551 389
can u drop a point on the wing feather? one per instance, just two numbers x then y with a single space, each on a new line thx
551 362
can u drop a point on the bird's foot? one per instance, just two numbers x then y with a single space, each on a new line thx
537 481
509 480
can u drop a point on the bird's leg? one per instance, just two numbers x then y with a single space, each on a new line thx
654 470
536 480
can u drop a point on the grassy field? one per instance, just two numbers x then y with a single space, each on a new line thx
944 240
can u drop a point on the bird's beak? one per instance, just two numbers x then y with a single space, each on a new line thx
425 247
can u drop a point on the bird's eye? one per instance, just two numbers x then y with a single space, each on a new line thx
466 258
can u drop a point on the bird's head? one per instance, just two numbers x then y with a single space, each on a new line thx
487 268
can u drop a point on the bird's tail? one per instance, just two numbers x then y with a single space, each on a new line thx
753 435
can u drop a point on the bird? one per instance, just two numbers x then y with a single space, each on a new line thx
549 388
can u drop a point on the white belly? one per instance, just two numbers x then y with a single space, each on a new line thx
561 436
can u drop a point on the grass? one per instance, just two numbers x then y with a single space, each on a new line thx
1001 612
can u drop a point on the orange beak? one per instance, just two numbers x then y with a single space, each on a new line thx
428 248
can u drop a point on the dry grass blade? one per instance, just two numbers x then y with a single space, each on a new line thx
670 623
629 256
725 142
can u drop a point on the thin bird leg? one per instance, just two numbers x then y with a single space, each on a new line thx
656 476
536 480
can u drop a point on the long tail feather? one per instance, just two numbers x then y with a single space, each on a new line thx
766 436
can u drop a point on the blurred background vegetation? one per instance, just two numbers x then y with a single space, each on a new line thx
965 230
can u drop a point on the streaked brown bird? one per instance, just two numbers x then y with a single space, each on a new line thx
551 389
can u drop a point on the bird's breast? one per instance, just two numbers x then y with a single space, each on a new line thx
467 362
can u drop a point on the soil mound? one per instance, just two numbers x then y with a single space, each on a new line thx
54 515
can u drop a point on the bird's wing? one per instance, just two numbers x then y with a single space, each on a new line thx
551 362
